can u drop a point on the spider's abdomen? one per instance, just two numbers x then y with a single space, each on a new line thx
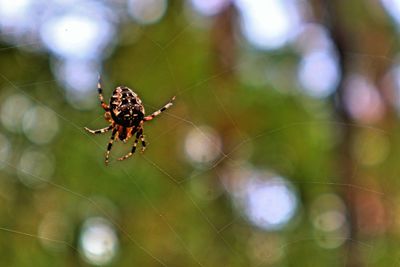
126 107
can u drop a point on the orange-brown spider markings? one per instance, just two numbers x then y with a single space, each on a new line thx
126 116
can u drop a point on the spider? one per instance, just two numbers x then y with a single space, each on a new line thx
126 116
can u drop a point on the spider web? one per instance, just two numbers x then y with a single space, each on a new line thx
175 184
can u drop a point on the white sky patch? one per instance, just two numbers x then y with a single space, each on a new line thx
269 24
16 18
76 35
393 8
14 8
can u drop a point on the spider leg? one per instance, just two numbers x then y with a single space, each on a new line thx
138 135
99 131
100 91
143 141
110 143
158 112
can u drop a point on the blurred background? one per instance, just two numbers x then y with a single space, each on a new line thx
281 148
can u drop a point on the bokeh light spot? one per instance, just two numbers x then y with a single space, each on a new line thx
98 241
269 24
209 7
13 110
202 146
325 65
329 220
270 204
266 248
362 99
267 200
147 11
40 125
328 216
79 78
313 37
5 150
35 168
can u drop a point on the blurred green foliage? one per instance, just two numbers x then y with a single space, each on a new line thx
158 201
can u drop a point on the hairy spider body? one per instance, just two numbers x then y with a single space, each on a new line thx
126 107
126 116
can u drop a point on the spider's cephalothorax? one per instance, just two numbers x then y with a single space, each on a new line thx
126 116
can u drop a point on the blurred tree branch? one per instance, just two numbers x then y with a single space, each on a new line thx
354 45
